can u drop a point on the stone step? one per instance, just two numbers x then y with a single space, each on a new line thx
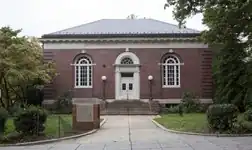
130 107
116 112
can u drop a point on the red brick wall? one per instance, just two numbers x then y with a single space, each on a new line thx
195 73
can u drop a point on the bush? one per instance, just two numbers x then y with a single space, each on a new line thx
242 126
31 120
171 109
248 115
3 119
64 103
35 95
15 109
190 102
221 117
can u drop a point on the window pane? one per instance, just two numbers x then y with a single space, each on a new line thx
130 86
123 86
127 61
90 76
164 76
171 71
76 75
83 72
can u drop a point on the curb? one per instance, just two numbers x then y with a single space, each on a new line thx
58 139
199 134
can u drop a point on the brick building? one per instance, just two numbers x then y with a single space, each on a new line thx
127 52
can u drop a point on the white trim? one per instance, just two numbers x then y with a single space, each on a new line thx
89 66
130 55
82 87
71 46
171 86
175 72
129 68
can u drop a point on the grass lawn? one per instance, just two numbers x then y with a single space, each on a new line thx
51 125
51 130
194 122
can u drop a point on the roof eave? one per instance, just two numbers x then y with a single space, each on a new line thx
170 35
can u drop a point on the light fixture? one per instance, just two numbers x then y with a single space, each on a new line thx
150 77
104 78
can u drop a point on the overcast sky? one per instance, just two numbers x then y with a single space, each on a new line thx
38 17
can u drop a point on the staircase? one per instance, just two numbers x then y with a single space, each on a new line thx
130 107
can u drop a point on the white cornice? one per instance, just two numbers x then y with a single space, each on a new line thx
81 46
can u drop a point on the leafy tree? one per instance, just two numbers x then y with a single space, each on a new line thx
229 25
132 16
21 62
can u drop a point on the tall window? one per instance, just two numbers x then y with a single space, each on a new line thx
83 73
171 71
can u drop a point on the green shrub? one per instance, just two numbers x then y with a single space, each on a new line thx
3 119
248 115
171 109
15 109
190 102
221 117
64 103
31 120
203 108
242 126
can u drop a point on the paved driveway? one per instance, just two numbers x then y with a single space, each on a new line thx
139 133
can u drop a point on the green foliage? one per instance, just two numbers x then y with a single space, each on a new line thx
229 26
231 77
3 119
31 120
15 109
221 117
64 103
21 62
248 115
190 102
35 95
171 109
248 99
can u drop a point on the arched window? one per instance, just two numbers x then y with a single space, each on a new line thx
171 71
127 61
83 72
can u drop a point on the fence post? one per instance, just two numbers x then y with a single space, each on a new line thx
59 125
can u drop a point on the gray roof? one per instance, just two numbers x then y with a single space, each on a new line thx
124 27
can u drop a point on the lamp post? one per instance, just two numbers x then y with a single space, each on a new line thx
104 78
150 78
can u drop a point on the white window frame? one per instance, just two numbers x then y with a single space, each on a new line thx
165 69
89 66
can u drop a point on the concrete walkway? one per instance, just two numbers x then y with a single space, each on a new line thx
139 133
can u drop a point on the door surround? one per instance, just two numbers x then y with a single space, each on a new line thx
127 68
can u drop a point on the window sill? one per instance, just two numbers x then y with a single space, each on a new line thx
83 87
171 87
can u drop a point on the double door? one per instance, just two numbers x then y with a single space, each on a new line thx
127 88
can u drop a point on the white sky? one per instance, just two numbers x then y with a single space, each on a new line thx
38 17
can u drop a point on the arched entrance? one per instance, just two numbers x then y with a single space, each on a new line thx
127 78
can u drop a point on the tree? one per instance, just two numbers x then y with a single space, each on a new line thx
21 63
230 25
132 16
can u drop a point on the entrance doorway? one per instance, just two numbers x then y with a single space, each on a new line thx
127 79
127 86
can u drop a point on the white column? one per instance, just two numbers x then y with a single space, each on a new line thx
117 84
137 85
